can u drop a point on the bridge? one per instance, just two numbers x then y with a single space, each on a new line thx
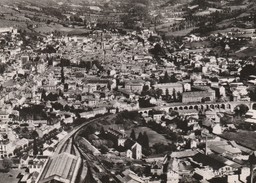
229 106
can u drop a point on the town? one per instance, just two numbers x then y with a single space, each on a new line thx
93 92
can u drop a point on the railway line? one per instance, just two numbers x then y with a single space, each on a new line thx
69 145
62 145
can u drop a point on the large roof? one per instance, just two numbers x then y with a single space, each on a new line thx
62 167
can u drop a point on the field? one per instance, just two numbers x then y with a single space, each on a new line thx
44 28
181 33
9 23
245 138
153 136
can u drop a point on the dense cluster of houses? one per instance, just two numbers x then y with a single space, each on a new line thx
106 72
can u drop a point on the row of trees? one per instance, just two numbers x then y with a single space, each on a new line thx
167 78
157 93
142 139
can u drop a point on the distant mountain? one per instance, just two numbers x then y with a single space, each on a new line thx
51 2
55 2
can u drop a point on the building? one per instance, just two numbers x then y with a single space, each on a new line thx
134 86
157 168
197 97
218 164
93 113
3 148
129 176
172 177
134 149
62 168
4 117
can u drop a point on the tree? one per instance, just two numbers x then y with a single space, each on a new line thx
159 92
35 147
179 96
247 71
252 94
145 88
62 75
173 79
102 131
241 109
25 130
167 92
145 140
140 139
157 50
133 136
159 148
166 77
104 149
2 68
34 134
67 108
43 95
174 94
52 96
7 164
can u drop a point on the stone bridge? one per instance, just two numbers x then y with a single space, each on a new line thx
228 106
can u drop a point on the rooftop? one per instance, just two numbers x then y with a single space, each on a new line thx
62 167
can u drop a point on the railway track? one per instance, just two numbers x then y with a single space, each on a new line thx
93 162
60 147
69 145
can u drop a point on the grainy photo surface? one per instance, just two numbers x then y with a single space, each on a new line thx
127 91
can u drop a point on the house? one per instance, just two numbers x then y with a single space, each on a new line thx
89 88
69 120
4 116
130 148
157 116
157 168
156 158
183 154
93 113
30 177
250 116
189 113
134 149
22 143
129 176
218 164
99 83
36 164
117 136
49 88
217 129
211 114
173 177
134 86
204 174
24 161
